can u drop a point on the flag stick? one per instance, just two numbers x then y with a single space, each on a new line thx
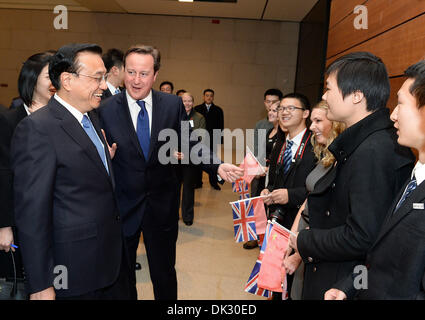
249 199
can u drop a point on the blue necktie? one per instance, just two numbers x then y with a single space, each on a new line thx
88 127
117 90
143 133
410 187
287 156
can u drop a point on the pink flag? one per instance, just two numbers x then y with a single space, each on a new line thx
251 166
270 277
260 216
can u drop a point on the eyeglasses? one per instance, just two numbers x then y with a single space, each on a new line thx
289 108
98 79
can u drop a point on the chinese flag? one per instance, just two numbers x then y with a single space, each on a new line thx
270 273
260 216
251 166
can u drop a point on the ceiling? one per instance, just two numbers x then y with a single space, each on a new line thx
279 10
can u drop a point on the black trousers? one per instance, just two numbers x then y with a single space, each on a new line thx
160 244
188 195
119 290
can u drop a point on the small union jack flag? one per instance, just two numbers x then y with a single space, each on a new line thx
251 285
242 187
244 221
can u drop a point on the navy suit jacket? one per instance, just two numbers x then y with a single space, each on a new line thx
65 210
146 190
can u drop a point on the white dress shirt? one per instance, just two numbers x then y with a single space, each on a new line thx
296 142
111 88
135 109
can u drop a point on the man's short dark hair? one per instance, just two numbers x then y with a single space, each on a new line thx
417 89
29 74
305 103
150 50
180 91
65 60
165 83
113 57
273 92
364 72
208 90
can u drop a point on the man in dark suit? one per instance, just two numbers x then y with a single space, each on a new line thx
291 160
396 262
146 184
66 213
214 118
113 60
349 204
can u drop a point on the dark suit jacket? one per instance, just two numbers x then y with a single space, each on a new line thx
8 122
146 189
348 205
106 94
214 118
293 180
396 262
65 209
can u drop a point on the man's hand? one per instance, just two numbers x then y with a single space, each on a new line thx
267 201
229 172
280 196
292 263
335 294
46 294
111 149
6 239
293 241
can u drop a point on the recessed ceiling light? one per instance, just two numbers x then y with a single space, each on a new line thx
185 0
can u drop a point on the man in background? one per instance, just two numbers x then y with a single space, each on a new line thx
214 118
113 60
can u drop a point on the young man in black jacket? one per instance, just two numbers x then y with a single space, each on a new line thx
348 206
396 261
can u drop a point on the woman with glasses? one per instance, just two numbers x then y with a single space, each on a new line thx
35 90
324 133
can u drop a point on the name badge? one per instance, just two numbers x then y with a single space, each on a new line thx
418 206
191 123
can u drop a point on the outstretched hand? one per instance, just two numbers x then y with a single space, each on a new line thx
112 149
229 172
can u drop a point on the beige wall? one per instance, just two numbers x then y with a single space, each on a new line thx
239 59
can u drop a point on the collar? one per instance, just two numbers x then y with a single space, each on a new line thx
345 144
76 113
147 99
111 87
419 172
297 139
27 109
208 105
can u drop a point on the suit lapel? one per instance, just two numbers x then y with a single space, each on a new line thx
393 218
95 120
76 132
156 121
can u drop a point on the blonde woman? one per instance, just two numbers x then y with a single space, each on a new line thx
324 133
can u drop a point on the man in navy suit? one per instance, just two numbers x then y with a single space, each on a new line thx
66 214
147 188
396 262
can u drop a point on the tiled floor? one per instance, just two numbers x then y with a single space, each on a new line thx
210 265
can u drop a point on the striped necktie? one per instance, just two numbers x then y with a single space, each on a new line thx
409 189
287 156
